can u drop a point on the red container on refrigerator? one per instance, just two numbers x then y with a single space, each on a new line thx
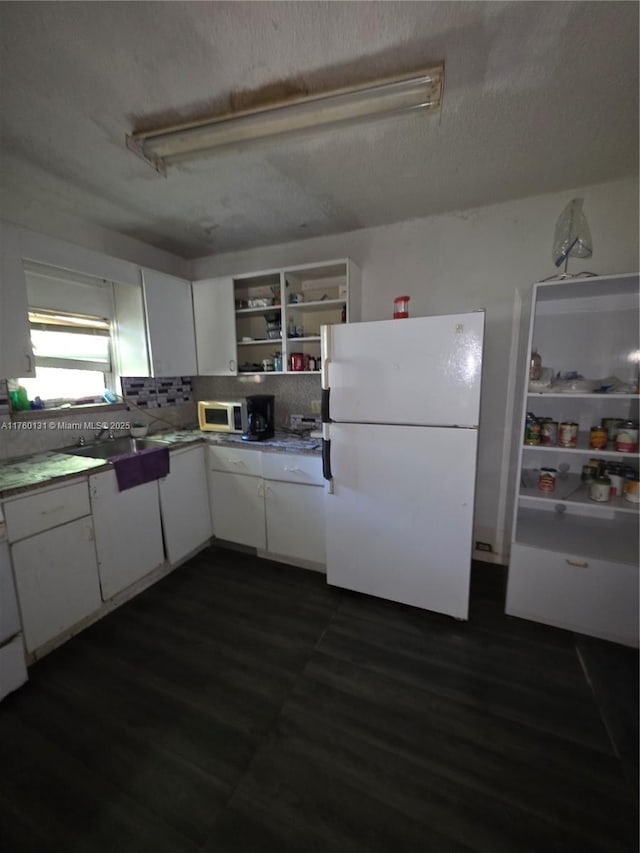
400 307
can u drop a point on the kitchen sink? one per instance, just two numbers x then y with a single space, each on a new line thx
114 447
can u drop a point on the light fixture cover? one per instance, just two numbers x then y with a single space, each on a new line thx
417 91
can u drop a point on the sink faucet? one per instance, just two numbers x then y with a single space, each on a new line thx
98 435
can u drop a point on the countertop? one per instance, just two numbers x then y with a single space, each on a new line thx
29 472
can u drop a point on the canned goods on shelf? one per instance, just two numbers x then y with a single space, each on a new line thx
611 425
568 434
627 437
589 472
632 489
599 489
547 480
601 465
598 438
549 432
614 473
532 430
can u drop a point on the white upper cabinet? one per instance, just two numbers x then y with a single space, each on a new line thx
215 327
16 354
169 314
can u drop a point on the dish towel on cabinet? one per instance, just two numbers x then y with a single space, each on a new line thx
133 469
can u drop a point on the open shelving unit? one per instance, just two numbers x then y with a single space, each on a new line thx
574 561
283 310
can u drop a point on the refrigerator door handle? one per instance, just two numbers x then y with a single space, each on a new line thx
326 459
325 355
324 405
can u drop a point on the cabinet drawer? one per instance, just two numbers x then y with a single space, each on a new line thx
46 508
292 468
235 461
594 597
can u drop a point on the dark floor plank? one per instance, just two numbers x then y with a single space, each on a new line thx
74 808
571 714
415 742
176 790
242 705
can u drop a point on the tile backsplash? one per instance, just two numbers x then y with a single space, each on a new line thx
161 403
149 393
293 394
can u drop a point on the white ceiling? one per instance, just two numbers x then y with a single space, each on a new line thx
538 97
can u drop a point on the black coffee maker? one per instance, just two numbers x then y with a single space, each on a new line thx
260 417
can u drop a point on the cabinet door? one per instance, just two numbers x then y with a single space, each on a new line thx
56 580
295 521
184 503
9 616
129 331
16 354
215 326
237 508
169 309
128 531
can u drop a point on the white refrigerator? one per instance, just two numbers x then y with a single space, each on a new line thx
401 404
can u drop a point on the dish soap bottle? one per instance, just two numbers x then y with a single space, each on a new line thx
19 399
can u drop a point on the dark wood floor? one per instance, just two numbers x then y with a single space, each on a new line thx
241 705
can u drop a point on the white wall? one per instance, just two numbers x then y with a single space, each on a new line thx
458 262
77 239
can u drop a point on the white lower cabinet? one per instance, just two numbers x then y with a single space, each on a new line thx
54 560
294 507
237 508
184 504
582 594
13 669
128 531
56 580
295 521
273 502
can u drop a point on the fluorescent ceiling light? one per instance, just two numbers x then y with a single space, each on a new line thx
418 91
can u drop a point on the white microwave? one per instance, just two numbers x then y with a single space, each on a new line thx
222 416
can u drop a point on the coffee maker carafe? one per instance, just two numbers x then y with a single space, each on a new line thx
260 417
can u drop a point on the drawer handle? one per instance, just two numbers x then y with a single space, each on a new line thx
237 462
52 509
579 564
293 470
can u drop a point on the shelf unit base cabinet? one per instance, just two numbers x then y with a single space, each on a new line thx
574 560
581 594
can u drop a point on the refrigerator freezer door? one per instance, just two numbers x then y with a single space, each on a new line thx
399 521
423 371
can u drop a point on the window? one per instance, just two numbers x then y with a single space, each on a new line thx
72 356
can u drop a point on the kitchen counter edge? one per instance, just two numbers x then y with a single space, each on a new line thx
82 466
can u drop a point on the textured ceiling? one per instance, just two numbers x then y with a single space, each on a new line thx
538 97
